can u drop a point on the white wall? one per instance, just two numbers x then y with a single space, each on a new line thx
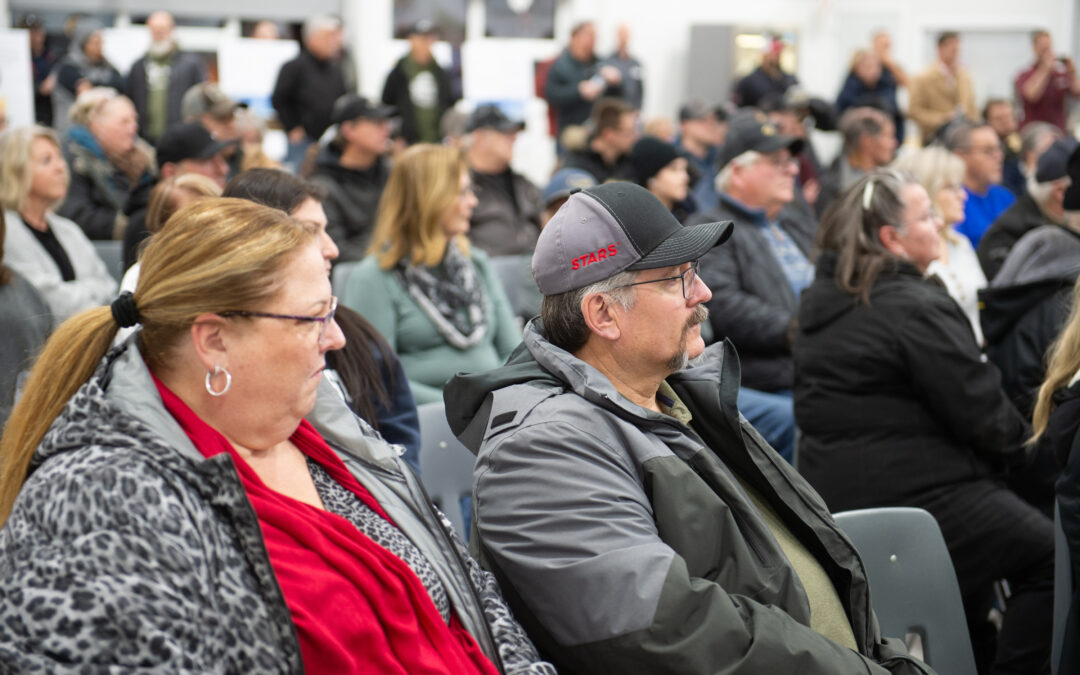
828 32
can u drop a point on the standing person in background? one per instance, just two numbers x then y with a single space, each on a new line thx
419 88
352 168
506 220
871 84
632 78
435 298
1044 88
158 81
110 164
50 251
308 86
768 79
43 58
979 147
943 91
84 67
577 79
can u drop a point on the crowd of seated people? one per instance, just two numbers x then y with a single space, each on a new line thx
719 309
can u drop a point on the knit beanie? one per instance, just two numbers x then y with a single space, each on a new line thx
649 155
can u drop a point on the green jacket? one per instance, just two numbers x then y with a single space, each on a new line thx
427 358
622 539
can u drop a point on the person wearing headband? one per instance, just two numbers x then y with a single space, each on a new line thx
201 499
898 407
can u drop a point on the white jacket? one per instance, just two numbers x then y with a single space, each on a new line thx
93 286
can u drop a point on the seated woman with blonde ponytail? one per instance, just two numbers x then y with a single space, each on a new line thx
200 500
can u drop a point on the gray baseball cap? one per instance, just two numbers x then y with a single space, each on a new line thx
610 228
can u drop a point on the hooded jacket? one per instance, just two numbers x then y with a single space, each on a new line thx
893 397
351 201
128 550
623 540
1020 218
1026 306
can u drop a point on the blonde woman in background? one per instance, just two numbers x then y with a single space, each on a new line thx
941 174
435 299
50 251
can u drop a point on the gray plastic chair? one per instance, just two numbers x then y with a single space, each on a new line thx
508 270
1063 589
445 464
339 276
112 254
913 586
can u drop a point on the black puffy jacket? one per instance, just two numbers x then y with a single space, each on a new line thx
893 397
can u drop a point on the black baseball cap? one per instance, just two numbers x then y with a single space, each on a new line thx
610 228
1053 164
188 140
492 117
750 129
350 107
422 27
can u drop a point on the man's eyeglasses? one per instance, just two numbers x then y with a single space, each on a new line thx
687 278
325 320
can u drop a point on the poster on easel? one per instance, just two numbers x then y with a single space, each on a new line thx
16 78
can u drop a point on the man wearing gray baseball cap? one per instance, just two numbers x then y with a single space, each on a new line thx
635 520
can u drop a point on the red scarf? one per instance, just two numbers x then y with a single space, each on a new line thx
356 606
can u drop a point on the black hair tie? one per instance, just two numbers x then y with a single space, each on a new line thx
124 311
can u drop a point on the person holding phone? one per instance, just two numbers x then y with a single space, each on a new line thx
1044 88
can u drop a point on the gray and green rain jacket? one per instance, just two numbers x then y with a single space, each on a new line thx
623 541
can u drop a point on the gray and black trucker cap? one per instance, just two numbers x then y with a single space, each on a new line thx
603 230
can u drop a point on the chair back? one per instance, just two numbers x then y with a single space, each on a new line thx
339 276
446 465
1063 589
508 269
913 587
112 254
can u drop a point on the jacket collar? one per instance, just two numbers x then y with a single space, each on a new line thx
756 216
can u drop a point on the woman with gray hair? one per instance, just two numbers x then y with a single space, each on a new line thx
108 160
50 251
898 408
941 173
83 68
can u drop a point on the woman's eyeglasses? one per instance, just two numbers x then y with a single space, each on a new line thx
324 319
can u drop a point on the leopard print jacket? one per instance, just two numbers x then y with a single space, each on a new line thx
123 555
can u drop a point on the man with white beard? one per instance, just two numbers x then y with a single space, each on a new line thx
158 80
